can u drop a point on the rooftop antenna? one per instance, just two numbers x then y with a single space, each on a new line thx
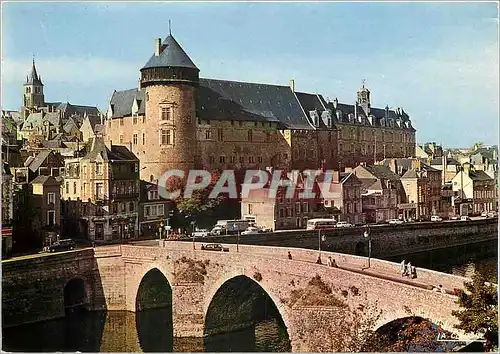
169 28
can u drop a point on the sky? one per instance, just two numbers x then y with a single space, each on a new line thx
439 61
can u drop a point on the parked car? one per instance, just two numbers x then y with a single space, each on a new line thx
396 222
343 224
214 247
201 233
455 218
251 231
491 214
62 245
436 218
266 229
484 214
464 218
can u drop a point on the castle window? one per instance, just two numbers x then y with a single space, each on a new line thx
251 159
166 137
98 168
212 159
166 113
250 209
220 134
242 159
143 138
67 187
208 134
233 159
121 138
134 119
260 159
151 178
121 121
134 139
250 135
222 159
285 156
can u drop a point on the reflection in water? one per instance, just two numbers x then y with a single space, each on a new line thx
115 331
151 330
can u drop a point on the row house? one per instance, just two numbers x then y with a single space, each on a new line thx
153 210
45 205
476 191
381 190
345 204
422 186
283 211
102 191
448 166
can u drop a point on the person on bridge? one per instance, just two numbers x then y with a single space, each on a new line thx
403 268
333 263
329 261
413 272
289 255
318 261
408 269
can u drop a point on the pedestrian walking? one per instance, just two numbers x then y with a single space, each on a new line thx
403 268
408 269
329 261
413 272
289 255
334 264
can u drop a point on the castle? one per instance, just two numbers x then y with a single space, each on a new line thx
175 119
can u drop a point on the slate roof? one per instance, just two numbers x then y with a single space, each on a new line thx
122 102
479 175
117 152
231 100
70 109
366 183
382 171
45 180
449 161
172 55
35 120
33 78
412 173
311 102
34 163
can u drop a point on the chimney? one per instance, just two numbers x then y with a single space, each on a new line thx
139 84
157 46
335 176
335 102
356 110
292 85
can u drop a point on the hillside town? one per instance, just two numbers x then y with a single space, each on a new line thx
73 171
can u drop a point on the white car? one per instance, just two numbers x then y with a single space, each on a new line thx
201 233
343 224
251 231
484 214
464 218
436 218
396 222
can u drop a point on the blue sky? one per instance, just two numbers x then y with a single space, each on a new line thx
439 61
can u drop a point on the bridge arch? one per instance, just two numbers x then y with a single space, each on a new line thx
248 293
154 312
76 294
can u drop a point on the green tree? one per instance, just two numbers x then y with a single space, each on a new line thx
480 310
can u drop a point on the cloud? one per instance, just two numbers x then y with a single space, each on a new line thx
85 71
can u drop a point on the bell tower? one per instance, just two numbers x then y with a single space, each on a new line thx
364 98
33 90
169 80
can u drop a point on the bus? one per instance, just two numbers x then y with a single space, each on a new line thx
225 227
321 224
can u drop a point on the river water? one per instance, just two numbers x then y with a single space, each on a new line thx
121 331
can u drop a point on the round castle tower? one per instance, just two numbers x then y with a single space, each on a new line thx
169 79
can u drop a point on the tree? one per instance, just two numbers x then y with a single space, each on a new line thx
480 313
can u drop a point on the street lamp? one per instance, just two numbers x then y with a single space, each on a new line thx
367 235
238 237
160 229
193 223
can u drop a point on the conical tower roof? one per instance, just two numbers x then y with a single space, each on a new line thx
33 78
171 55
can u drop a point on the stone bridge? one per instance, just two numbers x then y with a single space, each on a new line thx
317 304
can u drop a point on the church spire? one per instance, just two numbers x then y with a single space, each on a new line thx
33 78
